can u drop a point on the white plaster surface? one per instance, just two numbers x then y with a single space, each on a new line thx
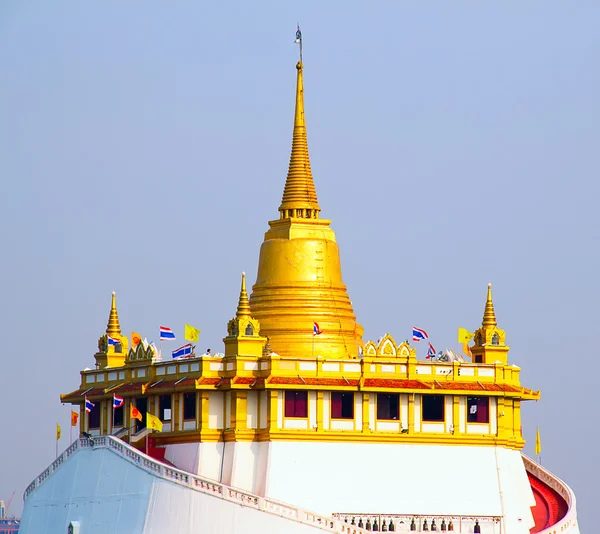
108 495
397 478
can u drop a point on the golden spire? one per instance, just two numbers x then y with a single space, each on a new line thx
113 328
299 192
489 316
243 309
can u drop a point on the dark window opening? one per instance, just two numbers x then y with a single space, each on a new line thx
189 406
478 409
296 404
164 407
94 416
118 416
387 406
342 405
142 405
479 358
433 408
495 339
249 330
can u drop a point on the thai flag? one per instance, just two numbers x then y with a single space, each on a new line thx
316 329
113 340
186 350
430 352
166 333
117 401
419 334
89 405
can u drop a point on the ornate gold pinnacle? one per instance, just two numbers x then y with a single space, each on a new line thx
489 315
299 195
113 328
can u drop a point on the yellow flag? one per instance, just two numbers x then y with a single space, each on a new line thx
191 333
538 443
153 422
136 339
57 431
144 388
464 336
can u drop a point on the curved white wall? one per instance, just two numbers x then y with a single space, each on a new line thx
403 479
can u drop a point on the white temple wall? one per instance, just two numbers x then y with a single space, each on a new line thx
185 456
393 478
312 409
417 408
264 400
107 494
515 490
252 409
449 413
215 410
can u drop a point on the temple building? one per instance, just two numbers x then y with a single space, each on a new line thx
300 409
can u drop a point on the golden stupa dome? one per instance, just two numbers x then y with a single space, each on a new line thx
299 279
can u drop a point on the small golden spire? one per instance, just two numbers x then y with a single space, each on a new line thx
299 192
489 316
243 309
113 328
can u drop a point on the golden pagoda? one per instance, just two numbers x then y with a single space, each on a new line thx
299 279
490 340
112 346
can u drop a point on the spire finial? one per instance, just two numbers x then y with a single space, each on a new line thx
243 309
113 328
299 195
489 316
298 40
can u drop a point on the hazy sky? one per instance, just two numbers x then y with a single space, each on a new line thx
144 146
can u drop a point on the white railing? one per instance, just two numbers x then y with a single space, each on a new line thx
196 483
424 523
570 520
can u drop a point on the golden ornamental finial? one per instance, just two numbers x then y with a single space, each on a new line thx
299 194
489 316
113 328
243 309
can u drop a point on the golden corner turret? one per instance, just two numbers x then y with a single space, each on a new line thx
299 278
490 340
112 346
243 331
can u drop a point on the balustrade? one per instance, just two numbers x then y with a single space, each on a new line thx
422 523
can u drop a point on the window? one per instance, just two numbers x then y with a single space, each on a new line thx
342 405
142 405
296 404
495 339
387 406
94 415
189 405
164 407
478 409
118 415
433 408
249 330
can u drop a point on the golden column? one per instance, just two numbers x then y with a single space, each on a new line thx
299 279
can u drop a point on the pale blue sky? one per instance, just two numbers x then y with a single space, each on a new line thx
144 147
